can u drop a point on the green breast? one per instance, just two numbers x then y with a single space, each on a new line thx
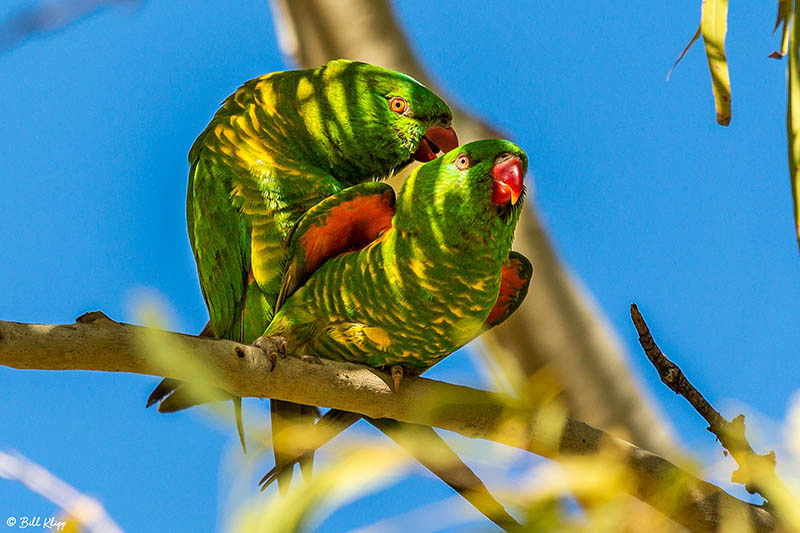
392 303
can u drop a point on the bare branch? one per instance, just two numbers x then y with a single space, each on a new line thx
756 472
48 17
79 507
674 377
95 342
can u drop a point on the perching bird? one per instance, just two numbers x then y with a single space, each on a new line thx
430 274
382 282
277 146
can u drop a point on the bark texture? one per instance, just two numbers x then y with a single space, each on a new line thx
94 342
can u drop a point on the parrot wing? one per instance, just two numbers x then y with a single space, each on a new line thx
514 283
223 265
222 258
350 220
239 269
346 221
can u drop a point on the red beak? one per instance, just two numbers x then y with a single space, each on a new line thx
435 140
507 185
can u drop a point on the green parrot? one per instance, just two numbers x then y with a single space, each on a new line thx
427 282
277 146
405 282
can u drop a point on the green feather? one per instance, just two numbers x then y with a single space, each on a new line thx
279 145
423 289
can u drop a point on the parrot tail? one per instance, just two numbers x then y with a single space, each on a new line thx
172 396
285 418
447 465
164 389
330 425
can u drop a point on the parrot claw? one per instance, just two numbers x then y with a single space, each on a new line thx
397 376
273 347
313 359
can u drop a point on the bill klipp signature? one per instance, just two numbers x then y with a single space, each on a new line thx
24 522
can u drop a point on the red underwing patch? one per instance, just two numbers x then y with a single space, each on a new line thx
514 281
350 225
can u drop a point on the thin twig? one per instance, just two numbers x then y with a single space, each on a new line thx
87 511
44 18
756 472
673 376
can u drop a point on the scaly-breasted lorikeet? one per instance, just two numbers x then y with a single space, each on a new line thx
280 144
277 146
383 282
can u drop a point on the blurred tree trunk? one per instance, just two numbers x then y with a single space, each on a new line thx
558 326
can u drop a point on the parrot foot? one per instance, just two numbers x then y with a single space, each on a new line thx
273 347
397 376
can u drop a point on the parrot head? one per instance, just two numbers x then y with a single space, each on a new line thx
472 194
392 118
482 181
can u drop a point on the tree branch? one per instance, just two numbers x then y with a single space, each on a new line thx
48 17
78 507
94 342
756 472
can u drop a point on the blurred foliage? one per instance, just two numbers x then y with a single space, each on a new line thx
576 494
793 109
79 511
353 472
71 525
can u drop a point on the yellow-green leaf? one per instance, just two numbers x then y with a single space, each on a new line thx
713 27
784 17
351 474
793 120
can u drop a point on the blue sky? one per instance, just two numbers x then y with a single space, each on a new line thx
646 198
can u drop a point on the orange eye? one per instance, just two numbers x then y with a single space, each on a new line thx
462 162
398 105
